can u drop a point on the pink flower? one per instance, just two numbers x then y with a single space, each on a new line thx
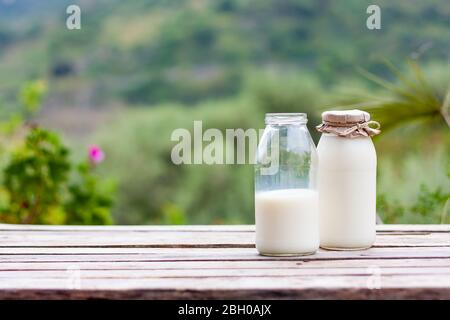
96 155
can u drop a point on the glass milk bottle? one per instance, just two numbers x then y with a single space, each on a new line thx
347 180
286 199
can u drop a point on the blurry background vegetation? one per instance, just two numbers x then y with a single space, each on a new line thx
139 69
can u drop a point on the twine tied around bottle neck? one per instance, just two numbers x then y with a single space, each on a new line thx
350 124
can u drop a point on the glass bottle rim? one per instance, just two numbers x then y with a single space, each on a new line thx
285 118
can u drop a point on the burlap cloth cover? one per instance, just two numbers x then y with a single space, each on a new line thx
348 123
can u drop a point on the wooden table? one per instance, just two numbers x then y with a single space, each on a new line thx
215 262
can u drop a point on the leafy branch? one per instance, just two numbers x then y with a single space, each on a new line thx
411 98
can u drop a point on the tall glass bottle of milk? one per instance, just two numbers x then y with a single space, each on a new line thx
347 180
286 199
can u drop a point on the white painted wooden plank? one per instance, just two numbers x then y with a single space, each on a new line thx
204 265
87 275
231 283
212 254
186 238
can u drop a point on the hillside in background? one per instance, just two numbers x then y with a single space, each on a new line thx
146 52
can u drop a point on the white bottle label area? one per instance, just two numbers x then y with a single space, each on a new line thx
347 192
347 209
287 221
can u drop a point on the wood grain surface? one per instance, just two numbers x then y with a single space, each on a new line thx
215 262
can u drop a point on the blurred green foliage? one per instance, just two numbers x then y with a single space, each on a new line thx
31 96
411 97
34 177
151 51
227 63
154 190
89 199
413 185
414 188
37 185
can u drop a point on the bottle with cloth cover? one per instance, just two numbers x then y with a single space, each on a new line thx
347 180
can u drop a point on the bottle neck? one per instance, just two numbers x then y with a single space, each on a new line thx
285 119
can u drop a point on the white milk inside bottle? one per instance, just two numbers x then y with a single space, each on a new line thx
347 180
287 221
286 199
